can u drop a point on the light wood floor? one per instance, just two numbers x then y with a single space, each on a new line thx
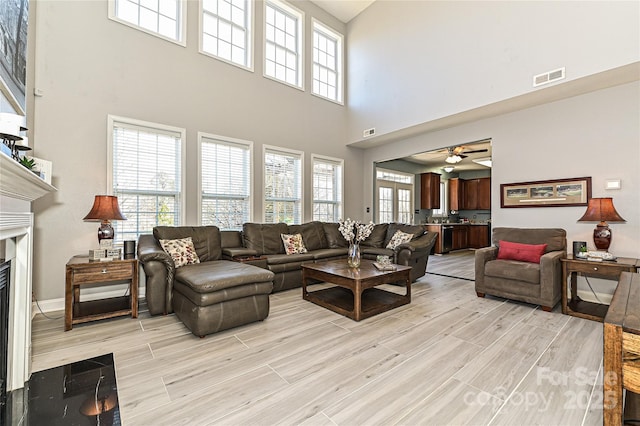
447 358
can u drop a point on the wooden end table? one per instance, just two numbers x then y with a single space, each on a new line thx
609 270
354 295
80 271
621 360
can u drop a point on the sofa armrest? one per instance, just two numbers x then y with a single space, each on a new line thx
482 256
551 274
159 270
420 247
423 243
231 253
416 253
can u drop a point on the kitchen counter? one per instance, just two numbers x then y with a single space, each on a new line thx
457 236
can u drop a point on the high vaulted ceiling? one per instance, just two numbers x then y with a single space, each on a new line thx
344 10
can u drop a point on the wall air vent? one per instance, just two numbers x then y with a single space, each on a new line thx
548 77
369 132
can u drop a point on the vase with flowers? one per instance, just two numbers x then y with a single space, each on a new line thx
354 232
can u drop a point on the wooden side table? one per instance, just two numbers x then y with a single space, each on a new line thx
80 271
621 360
571 267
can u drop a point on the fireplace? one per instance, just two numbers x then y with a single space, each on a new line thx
18 188
5 276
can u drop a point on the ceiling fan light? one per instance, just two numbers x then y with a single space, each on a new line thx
448 169
453 159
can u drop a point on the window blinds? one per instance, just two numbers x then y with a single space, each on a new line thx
283 187
146 178
226 183
327 190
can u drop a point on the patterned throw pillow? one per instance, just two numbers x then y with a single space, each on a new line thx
399 238
181 251
293 243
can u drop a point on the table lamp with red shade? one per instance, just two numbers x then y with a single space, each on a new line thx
601 210
105 209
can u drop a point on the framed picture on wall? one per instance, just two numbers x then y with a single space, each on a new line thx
546 193
14 16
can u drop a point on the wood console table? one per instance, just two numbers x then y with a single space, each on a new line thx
81 271
571 267
621 347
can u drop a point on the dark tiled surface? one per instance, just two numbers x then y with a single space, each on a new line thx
81 393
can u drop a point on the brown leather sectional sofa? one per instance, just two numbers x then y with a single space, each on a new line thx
323 241
239 269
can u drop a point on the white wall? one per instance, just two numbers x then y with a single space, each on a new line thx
596 134
88 66
416 61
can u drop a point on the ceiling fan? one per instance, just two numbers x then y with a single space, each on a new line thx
457 153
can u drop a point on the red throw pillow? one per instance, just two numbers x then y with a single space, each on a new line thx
522 252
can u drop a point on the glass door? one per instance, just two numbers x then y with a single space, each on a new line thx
394 197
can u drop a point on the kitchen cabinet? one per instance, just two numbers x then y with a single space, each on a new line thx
460 235
456 194
430 191
484 194
437 247
470 194
478 236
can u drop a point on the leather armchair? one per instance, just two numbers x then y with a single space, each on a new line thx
534 283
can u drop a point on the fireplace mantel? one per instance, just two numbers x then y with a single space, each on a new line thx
18 188
16 181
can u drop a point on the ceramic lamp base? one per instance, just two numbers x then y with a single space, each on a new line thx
105 232
602 237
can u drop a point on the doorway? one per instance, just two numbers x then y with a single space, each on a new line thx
394 196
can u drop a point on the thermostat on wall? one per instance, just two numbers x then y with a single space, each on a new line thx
612 184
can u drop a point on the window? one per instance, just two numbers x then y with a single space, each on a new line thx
226 30
394 196
282 186
163 18
394 176
442 211
225 181
327 188
327 63
146 165
283 43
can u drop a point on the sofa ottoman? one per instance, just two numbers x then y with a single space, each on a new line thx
214 296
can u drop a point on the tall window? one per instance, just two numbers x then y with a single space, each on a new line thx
327 63
226 30
225 179
164 18
327 188
283 43
146 164
282 186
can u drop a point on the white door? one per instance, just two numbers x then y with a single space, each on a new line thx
394 201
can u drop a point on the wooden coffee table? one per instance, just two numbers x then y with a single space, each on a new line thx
354 294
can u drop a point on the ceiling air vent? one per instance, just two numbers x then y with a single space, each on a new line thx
548 77
369 132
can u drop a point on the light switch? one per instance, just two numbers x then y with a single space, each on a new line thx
613 184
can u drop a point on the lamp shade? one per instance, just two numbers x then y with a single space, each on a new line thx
105 207
601 210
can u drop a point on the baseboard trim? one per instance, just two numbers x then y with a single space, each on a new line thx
588 296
